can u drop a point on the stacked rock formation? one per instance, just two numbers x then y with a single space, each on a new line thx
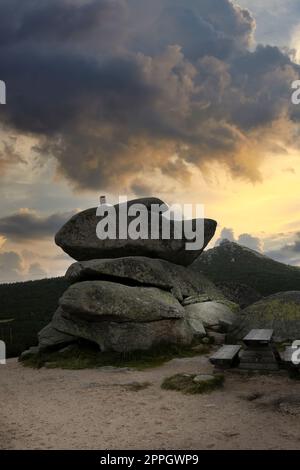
129 294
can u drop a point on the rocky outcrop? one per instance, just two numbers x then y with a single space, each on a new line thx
128 295
211 314
125 337
280 312
78 238
101 301
49 337
138 270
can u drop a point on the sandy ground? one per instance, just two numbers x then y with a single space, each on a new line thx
94 409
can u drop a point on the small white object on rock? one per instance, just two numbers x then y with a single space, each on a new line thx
203 378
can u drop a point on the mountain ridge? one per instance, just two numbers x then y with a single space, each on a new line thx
230 261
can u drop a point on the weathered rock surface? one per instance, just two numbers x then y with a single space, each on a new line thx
33 351
125 337
210 314
137 270
100 301
217 338
203 378
280 312
50 337
196 325
79 239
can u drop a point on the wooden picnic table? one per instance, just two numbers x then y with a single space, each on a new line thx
258 337
259 353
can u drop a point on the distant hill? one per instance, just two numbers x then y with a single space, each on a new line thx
31 306
233 262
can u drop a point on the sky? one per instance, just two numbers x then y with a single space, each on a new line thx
186 100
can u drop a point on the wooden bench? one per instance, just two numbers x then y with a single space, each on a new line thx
226 357
258 338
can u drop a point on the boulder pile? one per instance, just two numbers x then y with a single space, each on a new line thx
128 295
279 312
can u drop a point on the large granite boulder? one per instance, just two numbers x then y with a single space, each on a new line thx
280 312
128 304
78 237
125 337
178 280
212 314
100 301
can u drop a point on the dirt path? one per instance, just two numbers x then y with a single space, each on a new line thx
94 409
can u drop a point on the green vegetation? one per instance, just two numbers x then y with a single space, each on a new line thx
232 262
294 373
88 356
185 383
31 306
276 309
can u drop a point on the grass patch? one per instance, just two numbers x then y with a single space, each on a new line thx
85 356
185 383
294 373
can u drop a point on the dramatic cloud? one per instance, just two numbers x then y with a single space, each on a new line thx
10 267
27 225
288 253
226 234
245 239
36 271
114 90
282 247
275 19
251 242
8 154
13 269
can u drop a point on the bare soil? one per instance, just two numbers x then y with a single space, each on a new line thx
108 409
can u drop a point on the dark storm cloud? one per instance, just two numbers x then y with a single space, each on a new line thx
27 225
209 27
114 89
55 20
54 91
